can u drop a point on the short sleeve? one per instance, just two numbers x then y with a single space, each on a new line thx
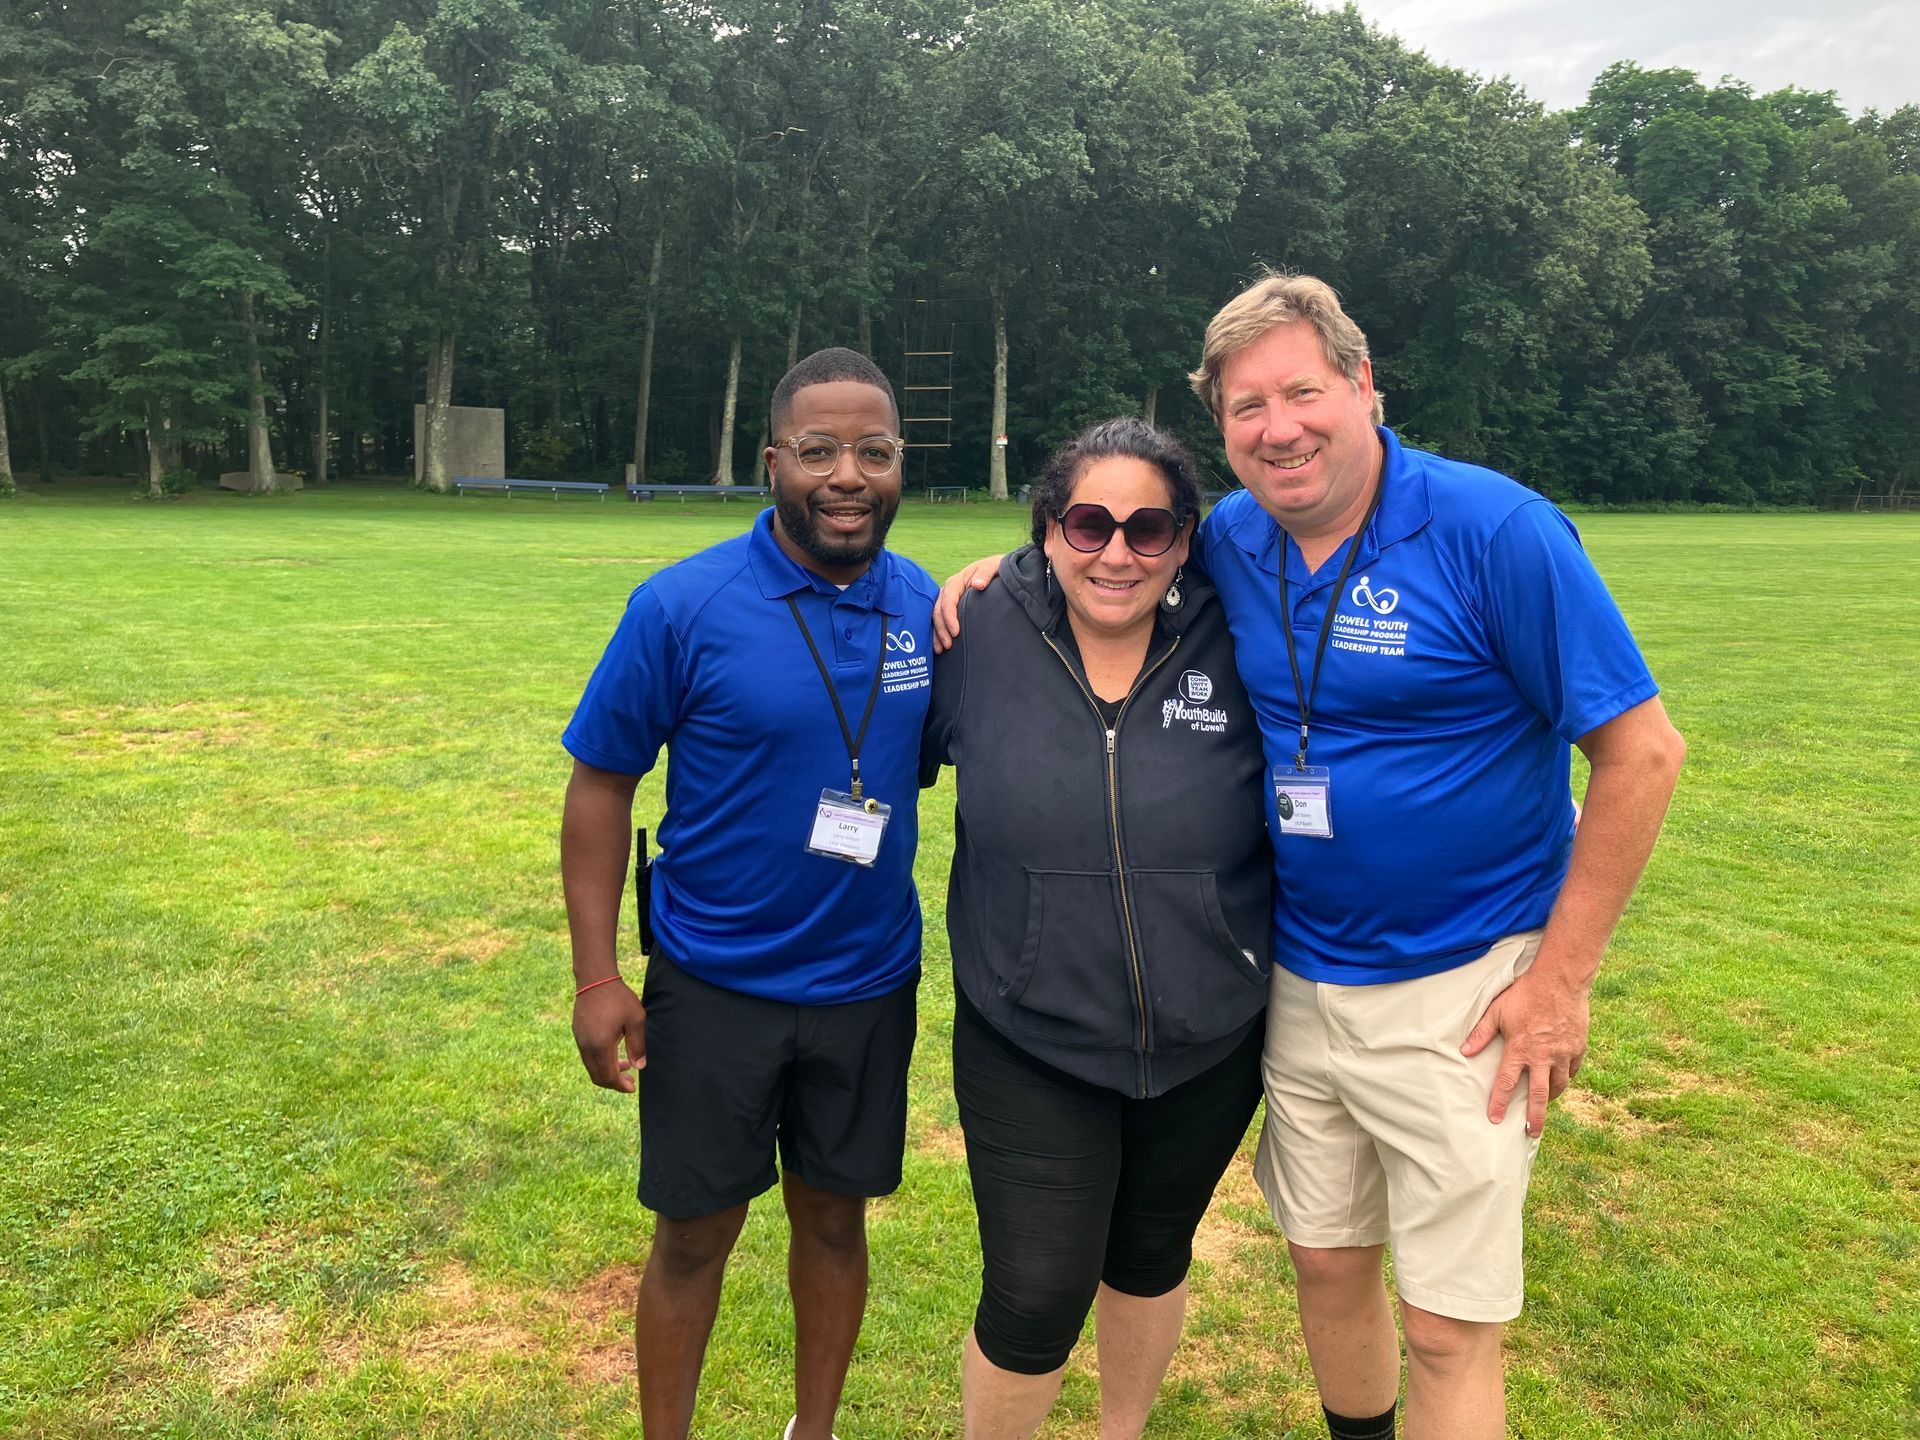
636 694
1555 627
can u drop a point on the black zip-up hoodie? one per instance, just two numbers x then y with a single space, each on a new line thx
1111 902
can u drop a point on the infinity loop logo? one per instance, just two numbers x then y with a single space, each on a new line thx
903 642
1382 601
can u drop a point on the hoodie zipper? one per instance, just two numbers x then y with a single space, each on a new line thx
1113 813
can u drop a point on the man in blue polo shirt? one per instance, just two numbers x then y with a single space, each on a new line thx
1423 641
786 672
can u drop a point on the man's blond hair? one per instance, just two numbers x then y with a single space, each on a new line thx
1273 300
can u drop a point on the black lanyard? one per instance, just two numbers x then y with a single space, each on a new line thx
854 742
1301 694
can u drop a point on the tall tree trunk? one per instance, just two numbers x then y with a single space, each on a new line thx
259 444
433 472
1152 404
767 436
423 441
997 459
556 376
723 466
7 487
156 453
552 235
40 428
169 443
322 447
453 260
643 400
865 320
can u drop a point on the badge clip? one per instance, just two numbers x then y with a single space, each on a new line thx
855 792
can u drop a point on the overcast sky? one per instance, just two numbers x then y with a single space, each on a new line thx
1868 53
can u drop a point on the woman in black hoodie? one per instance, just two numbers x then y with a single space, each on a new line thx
1109 912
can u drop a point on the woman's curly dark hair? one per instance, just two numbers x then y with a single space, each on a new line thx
1125 435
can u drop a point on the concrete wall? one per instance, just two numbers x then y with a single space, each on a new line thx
476 442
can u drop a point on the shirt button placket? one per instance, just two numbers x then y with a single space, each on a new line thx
845 650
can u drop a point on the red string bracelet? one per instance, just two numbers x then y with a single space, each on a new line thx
594 984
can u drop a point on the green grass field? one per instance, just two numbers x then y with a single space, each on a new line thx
293 1140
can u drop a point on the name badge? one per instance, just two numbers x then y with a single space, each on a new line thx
1303 799
848 829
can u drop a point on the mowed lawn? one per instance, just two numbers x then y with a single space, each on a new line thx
293 1140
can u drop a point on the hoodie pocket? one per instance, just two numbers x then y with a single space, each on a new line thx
1071 984
1202 979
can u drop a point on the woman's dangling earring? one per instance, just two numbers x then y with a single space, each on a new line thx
1173 599
1049 572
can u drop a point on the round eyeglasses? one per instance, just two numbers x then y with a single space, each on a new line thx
1148 531
874 455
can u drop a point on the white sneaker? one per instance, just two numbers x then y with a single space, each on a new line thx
793 1422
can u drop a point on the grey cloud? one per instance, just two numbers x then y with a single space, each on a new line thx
1862 52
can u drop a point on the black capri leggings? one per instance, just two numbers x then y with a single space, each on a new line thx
1075 1185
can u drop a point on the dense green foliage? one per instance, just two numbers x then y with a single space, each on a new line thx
234 220
297 1146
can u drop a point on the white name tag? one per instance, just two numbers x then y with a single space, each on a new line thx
848 829
1303 800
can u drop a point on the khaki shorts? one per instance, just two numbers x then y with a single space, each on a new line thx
1377 1130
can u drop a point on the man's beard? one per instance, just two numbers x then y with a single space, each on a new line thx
796 519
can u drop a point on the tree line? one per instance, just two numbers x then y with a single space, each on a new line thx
236 233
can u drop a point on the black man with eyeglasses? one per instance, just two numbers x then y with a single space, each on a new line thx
787 673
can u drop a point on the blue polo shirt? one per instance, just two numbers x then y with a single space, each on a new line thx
707 662
1473 643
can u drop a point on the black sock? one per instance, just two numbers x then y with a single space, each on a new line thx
1341 1427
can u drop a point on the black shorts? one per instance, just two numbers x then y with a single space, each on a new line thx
730 1076
1075 1185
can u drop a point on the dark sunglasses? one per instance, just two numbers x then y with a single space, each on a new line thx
1088 528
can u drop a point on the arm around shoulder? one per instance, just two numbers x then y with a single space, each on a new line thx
946 610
